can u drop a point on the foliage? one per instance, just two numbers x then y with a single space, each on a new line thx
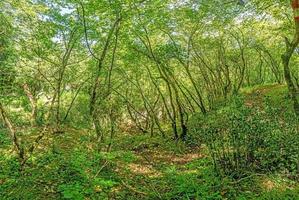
57 176
244 138
160 99
192 185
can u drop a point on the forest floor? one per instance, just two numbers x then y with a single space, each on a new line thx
138 167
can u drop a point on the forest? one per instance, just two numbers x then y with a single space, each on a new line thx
149 99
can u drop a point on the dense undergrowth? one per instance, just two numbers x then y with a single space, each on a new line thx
245 149
241 139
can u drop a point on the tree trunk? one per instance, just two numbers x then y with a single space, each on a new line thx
290 48
13 135
288 77
32 102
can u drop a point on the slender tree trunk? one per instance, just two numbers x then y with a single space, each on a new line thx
287 74
32 102
290 48
13 135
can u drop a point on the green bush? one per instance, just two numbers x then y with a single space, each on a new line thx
56 175
241 139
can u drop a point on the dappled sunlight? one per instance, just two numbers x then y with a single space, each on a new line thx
278 182
147 170
7 153
149 99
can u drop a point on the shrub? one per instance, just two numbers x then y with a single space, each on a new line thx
57 176
242 139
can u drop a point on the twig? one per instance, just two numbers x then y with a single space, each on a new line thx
133 189
103 166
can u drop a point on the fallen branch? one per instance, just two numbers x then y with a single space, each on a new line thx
133 189
34 145
103 166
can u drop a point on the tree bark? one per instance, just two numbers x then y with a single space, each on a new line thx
32 102
286 57
13 135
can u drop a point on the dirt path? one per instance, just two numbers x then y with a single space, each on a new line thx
151 162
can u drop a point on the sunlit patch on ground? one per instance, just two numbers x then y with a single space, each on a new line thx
147 170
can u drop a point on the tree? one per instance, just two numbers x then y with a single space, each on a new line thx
290 48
